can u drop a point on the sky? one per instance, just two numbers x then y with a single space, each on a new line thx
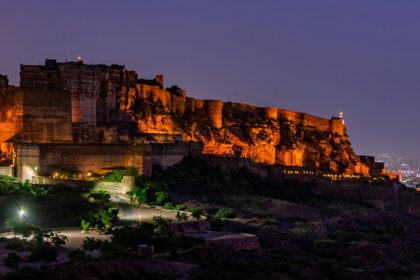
315 56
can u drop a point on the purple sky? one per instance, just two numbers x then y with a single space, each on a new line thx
322 57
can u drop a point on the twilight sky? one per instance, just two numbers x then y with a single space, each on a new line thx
318 56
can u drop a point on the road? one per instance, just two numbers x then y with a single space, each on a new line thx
135 213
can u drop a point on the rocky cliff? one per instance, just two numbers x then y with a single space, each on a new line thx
266 135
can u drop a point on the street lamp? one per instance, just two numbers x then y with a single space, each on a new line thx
21 213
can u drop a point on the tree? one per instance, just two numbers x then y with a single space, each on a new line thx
12 260
197 213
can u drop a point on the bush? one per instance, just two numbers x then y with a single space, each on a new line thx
225 213
117 175
76 256
181 207
100 196
161 225
16 246
91 244
161 198
85 225
55 238
197 213
168 206
21 228
45 253
12 261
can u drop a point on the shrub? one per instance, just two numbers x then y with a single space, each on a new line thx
181 207
168 206
12 261
101 196
161 225
85 225
161 198
117 175
91 244
197 213
14 246
45 253
76 256
225 213
21 228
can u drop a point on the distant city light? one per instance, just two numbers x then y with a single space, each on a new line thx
79 58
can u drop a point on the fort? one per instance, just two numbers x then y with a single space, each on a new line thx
93 118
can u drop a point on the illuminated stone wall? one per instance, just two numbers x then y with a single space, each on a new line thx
11 116
47 117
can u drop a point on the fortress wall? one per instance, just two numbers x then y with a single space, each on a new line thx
289 157
154 93
93 158
290 116
47 117
198 104
214 109
243 107
337 126
189 105
11 117
178 103
170 154
318 123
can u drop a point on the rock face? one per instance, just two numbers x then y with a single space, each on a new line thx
265 135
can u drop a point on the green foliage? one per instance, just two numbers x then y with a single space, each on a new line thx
21 228
131 237
181 207
225 213
76 256
100 196
168 206
102 219
45 235
12 260
85 225
117 175
91 244
44 252
197 213
149 193
11 186
161 198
